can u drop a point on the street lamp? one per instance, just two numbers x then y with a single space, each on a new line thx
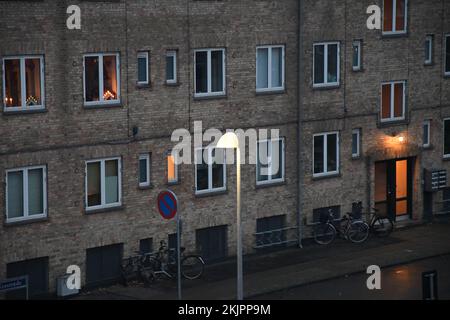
230 141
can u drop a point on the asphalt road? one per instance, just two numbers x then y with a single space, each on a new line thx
399 282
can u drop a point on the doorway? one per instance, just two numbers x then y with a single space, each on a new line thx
394 187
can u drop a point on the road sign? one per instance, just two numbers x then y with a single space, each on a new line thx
429 285
167 204
14 284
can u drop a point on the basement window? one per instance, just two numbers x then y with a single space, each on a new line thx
394 16
393 101
326 64
103 183
101 79
210 170
23 83
209 72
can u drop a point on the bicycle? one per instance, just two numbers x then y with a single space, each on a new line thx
138 266
381 225
165 262
350 228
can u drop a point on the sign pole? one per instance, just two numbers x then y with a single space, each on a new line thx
179 254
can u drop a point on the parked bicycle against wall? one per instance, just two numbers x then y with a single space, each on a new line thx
380 225
349 227
138 267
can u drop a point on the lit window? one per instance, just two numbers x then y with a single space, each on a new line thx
270 161
393 101
426 133
143 68
326 154
429 50
356 143
356 55
447 55
447 138
101 79
171 66
210 170
26 194
103 183
209 72
144 170
172 168
269 68
326 64
395 16
23 83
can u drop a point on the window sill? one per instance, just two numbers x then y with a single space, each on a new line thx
146 187
326 176
389 35
173 183
428 64
270 184
18 112
25 222
172 84
210 193
358 157
102 210
103 105
446 158
211 97
447 75
392 123
270 92
326 87
143 86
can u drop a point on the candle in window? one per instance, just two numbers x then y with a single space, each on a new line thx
108 95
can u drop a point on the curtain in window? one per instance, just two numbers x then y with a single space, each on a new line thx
387 15
13 93
171 168
93 177
398 100
35 192
201 70
216 71
111 181
33 81
277 60
400 16
91 78
109 78
15 194
319 58
318 154
332 63
386 101
262 64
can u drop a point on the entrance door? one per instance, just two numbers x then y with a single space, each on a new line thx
393 187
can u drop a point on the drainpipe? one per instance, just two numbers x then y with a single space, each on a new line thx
300 174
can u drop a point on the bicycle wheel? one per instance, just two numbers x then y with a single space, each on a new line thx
358 231
127 271
382 226
324 233
192 267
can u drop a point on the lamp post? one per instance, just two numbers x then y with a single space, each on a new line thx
230 141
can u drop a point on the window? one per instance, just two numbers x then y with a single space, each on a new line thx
143 68
270 161
429 49
426 133
393 101
395 16
356 55
144 170
171 66
326 154
326 64
26 193
269 68
210 170
23 83
356 143
103 183
447 138
101 79
172 168
447 55
209 72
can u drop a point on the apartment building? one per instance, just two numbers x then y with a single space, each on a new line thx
374 108
87 118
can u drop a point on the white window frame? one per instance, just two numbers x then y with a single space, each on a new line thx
146 157
103 205
23 92
429 39
358 143
208 73
325 154
145 55
101 101
357 43
325 67
445 156
269 68
26 215
392 118
446 73
270 180
174 155
427 123
394 17
210 182
173 54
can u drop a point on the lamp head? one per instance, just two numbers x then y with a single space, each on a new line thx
228 141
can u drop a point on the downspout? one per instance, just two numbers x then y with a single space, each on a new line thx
300 174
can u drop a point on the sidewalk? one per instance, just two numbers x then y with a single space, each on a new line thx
294 266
